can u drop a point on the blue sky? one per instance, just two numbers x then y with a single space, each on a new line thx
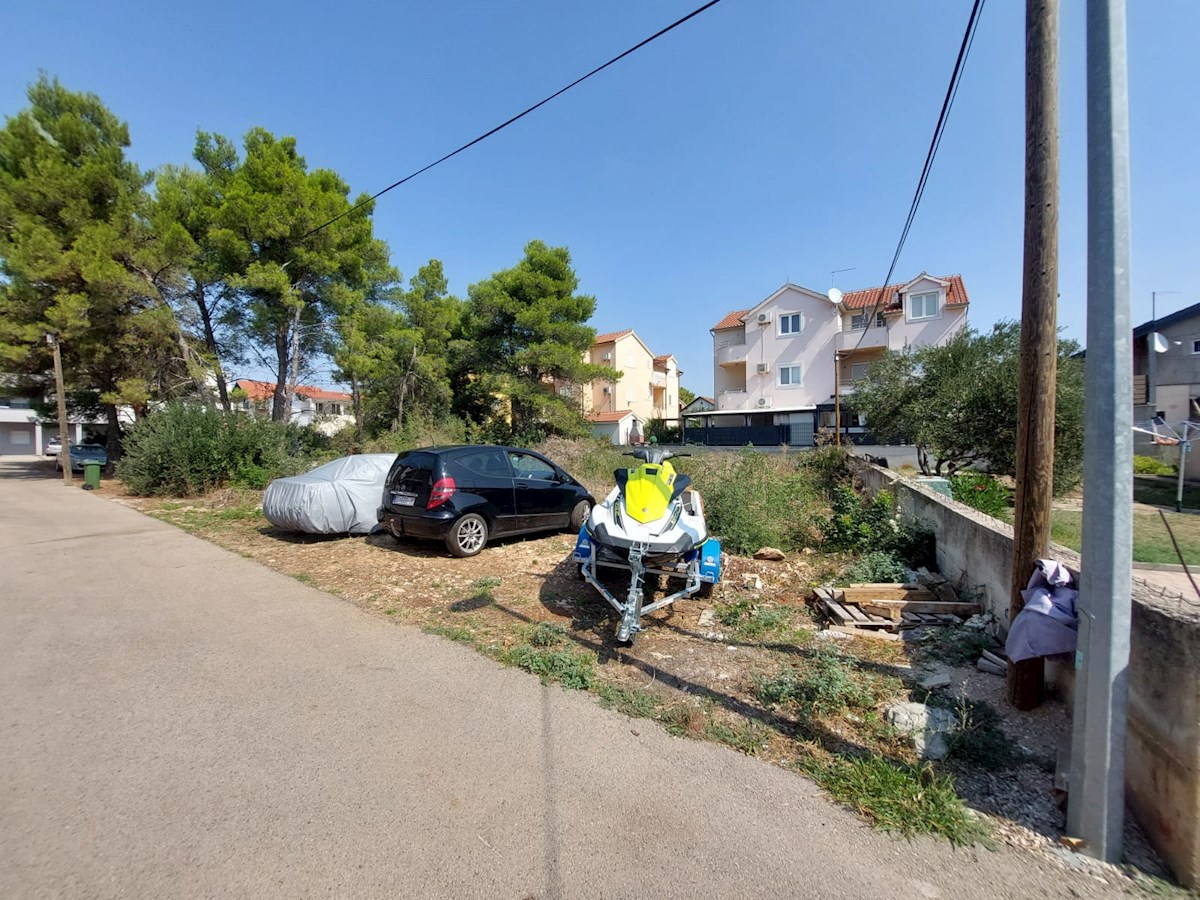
764 141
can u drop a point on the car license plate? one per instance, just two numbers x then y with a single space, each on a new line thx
404 499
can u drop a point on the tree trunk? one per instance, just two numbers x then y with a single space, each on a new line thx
403 392
210 343
193 367
112 441
279 400
356 402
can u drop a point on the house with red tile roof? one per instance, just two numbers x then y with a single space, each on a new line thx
648 386
327 411
781 361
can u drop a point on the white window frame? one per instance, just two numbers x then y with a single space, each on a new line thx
787 317
795 367
912 298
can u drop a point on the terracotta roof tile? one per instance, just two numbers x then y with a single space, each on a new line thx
609 417
611 336
264 390
731 320
956 294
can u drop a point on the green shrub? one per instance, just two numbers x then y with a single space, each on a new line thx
877 567
1150 465
825 686
981 492
752 500
183 450
662 432
862 524
828 468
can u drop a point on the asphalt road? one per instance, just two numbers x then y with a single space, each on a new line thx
176 721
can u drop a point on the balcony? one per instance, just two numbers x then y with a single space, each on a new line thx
732 354
732 399
658 379
872 339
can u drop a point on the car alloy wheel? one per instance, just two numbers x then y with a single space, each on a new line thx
468 536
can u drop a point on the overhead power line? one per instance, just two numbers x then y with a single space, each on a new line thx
487 134
960 62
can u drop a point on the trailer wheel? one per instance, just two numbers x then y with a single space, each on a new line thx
706 590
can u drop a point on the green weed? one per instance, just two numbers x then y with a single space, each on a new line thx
901 798
748 737
877 567
304 579
825 685
568 666
633 702
458 633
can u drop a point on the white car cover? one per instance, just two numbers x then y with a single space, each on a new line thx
340 497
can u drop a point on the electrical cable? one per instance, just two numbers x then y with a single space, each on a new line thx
964 51
520 115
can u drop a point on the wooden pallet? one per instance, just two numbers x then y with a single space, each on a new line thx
884 610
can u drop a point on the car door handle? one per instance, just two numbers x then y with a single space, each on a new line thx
522 487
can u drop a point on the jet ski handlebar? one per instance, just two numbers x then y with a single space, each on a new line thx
653 456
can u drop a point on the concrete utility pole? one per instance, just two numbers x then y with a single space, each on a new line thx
64 437
1096 811
1039 327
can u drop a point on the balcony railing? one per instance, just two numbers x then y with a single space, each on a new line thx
732 399
872 339
731 354
658 379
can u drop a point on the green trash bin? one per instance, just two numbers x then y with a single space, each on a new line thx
91 475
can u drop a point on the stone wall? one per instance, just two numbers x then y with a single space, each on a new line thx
1162 757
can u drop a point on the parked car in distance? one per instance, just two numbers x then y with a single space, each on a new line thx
53 446
340 497
83 453
466 495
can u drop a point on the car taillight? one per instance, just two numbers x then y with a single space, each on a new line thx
443 490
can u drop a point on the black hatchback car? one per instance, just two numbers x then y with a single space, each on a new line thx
468 494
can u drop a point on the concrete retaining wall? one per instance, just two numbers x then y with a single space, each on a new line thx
1162 775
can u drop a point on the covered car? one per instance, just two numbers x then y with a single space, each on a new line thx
340 497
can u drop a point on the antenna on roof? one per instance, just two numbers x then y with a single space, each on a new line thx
832 274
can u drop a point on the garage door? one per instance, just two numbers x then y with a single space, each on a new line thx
16 438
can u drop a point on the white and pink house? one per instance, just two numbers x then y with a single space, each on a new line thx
773 364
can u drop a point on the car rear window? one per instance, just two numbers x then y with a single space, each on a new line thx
413 469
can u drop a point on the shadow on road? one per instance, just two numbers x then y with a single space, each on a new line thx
29 468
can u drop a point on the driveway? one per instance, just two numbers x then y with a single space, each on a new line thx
178 721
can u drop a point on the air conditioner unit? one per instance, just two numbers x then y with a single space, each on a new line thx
763 318
764 368
764 402
606 357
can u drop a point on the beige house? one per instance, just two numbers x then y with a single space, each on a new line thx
648 386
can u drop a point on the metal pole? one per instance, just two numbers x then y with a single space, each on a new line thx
1039 329
64 437
1184 447
837 395
1097 782
1152 358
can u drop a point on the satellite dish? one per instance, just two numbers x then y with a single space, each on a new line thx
1160 343
835 296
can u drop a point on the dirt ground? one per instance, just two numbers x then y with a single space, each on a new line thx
685 658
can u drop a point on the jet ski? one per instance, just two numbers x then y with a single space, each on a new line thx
651 523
